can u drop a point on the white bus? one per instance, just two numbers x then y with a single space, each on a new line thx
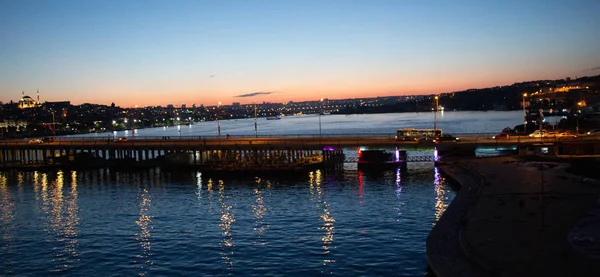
417 134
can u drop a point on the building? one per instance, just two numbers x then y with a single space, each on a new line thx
27 102
7 123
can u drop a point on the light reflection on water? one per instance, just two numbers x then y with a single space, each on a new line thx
144 235
153 222
328 221
441 195
259 211
227 219
59 212
7 216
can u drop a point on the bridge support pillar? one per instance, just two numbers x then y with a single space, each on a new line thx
456 150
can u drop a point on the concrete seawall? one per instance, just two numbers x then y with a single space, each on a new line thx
516 218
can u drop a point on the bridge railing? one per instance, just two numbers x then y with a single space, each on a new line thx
224 136
259 136
483 138
196 141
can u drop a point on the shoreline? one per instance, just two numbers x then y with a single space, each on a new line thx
512 217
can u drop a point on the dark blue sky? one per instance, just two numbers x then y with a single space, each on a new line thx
161 52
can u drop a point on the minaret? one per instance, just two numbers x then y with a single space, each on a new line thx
38 96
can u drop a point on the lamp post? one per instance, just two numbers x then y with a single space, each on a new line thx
435 115
524 114
53 125
579 105
255 124
320 112
218 125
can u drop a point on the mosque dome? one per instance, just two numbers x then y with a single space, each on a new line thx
27 102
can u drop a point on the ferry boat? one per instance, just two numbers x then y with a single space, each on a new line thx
275 117
380 159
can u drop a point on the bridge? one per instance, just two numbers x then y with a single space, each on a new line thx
288 150
311 141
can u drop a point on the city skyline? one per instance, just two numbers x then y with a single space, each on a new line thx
156 53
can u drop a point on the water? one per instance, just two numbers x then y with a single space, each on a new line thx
491 122
166 223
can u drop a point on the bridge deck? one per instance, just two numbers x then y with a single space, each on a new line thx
282 142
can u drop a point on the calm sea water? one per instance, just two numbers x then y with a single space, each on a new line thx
166 223
159 223
451 122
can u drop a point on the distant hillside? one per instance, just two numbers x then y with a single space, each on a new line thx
495 98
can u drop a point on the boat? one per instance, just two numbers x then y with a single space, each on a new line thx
380 159
275 117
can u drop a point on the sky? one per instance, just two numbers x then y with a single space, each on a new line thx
141 53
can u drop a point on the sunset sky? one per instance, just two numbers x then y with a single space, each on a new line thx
173 52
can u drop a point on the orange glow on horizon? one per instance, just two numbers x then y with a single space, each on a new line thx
125 95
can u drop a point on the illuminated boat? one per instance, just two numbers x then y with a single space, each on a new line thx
380 159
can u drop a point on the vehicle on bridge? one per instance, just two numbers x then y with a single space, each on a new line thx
544 134
502 135
595 132
538 134
446 137
35 141
566 134
418 134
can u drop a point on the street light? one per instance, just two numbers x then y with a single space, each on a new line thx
255 124
524 114
578 114
320 112
53 125
218 125
435 115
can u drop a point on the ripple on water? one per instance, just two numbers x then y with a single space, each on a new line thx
336 224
